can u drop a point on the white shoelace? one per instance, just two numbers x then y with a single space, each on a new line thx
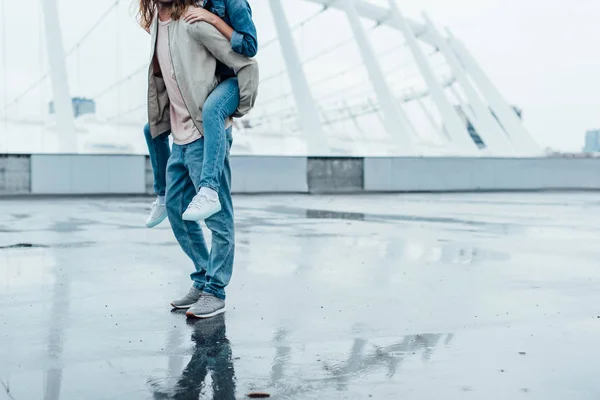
156 207
199 201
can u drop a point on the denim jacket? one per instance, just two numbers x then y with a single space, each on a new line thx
238 15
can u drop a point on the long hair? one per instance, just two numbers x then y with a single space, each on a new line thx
147 9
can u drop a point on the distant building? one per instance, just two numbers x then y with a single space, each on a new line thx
81 106
592 141
471 129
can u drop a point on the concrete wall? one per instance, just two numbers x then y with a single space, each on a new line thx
335 175
119 174
15 174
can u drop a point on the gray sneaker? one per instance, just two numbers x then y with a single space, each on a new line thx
188 300
207 306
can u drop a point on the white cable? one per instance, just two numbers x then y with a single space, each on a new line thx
293 28
67 54
4 64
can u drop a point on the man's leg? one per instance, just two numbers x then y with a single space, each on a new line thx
220 266
180 191
159 151
220 105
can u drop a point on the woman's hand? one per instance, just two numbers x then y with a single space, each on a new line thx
198 14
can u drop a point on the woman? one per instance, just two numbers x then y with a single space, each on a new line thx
233 18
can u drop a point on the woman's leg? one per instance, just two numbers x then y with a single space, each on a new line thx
159 151
220 105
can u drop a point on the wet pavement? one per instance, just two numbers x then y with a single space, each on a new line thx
456 296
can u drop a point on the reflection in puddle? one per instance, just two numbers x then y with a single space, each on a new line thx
386 218
366 357
209 373
321 214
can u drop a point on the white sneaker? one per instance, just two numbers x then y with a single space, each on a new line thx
201 208
158 213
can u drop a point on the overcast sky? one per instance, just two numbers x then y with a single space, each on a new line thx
542 54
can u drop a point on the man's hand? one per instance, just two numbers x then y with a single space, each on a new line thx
197 14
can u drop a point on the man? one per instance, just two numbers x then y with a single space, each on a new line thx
181 76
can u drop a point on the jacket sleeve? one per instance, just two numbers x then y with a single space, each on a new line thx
245 68
244 39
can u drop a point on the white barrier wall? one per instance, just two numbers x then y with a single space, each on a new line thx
122 174
87 174
475 174
269 174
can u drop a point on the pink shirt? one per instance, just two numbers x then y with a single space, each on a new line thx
183 129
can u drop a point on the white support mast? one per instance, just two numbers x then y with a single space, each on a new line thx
513 126
308 113
63 106
440 130
452 122
395 120
486 126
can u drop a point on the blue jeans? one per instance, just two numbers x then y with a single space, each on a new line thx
159 150
214 268
220 105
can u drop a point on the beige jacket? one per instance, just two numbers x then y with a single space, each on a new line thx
195 49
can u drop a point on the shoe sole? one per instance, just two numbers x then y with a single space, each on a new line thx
156 222
181 307
204 316
198 217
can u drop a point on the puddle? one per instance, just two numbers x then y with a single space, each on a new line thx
44 246
322 214
23 246
72 225
72 245
387 218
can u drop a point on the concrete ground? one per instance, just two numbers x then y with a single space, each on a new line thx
454 296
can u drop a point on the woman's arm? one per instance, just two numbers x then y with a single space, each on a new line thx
242 35
198 14
246 68
222 27
244 40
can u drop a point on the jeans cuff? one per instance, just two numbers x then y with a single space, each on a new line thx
199 286
209 186
219 295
